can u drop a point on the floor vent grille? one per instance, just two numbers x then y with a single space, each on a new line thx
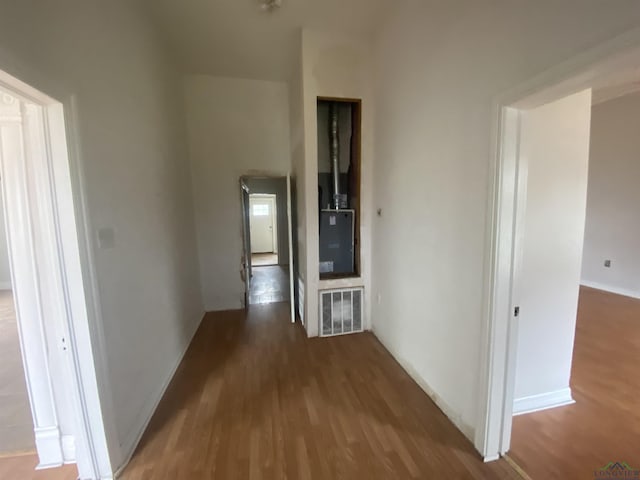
341 311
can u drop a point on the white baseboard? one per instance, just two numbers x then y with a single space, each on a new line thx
49 447
129 445
491 458
607 288
467 430
68 448
543 401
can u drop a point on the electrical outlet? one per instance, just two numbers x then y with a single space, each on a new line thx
607 263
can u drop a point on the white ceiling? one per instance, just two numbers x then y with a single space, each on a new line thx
236 38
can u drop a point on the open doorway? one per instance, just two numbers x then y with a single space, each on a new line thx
568 354
50 401
267 239
584 385
263 221
16 424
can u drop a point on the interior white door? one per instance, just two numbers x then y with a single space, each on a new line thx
262 214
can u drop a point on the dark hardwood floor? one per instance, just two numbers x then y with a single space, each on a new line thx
255 399
604 424
269 284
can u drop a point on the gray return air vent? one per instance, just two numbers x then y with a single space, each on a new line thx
340 311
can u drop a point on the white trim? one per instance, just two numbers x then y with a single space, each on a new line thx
292 296
68 448
607 288
466 429
56 187
130 444
5 285
96 399
301 295
49 447
495 399
543 401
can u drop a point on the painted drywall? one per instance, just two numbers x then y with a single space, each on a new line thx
298 177
278 187
5 271
613 226
131 144
236 127
335 66
554 144
438 68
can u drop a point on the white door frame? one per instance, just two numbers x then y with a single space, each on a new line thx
292 297
289 236
55 286
506 204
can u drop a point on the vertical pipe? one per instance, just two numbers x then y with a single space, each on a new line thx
334 153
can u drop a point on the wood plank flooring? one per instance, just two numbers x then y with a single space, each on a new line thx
604 424
264 259
255 399
23 467
269 285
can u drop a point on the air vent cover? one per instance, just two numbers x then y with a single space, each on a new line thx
341 311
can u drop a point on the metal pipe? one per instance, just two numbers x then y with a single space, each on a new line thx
334 153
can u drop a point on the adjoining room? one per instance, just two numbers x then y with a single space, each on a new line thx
16 425
576 389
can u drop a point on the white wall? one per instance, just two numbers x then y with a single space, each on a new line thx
554 145
613 225
439 65
236 127
5 271
298 177
132 150
335 66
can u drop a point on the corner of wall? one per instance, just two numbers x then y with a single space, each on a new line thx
456 418
129 444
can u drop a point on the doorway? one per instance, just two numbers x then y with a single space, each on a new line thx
267 238
263 220
591 350
16 424
509 224
48 263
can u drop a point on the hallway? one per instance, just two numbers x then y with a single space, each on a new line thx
269 284
254 398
